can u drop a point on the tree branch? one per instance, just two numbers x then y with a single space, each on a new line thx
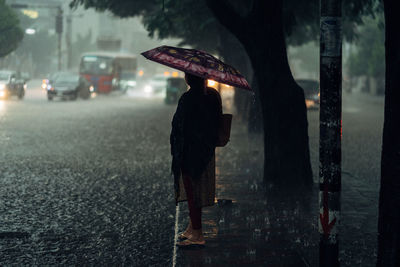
227 16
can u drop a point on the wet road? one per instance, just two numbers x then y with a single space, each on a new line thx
85 182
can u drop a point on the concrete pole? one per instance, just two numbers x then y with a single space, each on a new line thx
59 30
330 130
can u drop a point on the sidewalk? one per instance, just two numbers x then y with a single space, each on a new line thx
258 230
252 230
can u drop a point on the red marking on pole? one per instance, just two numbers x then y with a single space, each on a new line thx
324 218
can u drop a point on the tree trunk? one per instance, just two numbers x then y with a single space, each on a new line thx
286 146
286 149
389 198
255 123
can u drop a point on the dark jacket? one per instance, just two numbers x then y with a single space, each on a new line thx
194 132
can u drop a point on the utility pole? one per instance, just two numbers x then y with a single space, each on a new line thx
68 39
59 31
68 36
330 130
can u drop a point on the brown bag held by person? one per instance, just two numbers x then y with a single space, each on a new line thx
224 131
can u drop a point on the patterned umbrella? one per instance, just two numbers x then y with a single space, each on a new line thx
198 63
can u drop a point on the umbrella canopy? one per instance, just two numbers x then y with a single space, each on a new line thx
198 63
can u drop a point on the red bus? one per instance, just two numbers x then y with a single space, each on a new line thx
104 69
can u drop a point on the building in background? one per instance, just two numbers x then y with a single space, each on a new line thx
80 31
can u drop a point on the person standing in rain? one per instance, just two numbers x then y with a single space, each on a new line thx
193 140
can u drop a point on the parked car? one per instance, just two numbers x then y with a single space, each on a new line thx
11 84
311 92
174 89
67 85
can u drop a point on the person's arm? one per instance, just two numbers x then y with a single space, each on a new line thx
177 135
177 125
217 114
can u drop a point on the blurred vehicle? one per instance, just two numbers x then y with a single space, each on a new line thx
11 84
174 89
67 85
156 85
46 83
25 76
127 81
311 92
105 70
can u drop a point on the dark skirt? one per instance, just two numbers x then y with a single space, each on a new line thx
203 187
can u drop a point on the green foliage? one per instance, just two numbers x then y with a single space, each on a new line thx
191 20
10 32
369 56
194 23
121 8
198 29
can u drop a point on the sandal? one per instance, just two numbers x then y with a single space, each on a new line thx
184 236
189 243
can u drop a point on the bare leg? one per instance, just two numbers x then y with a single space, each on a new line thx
197 235
188 230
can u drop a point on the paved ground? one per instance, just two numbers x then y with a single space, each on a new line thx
88 183
258 229
85 182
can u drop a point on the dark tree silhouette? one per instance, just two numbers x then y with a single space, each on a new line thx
389 199
10 32
285 122
262 27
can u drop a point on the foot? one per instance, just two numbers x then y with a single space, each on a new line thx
191 242
185 235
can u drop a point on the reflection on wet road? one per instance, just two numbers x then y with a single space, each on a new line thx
88 183
85 182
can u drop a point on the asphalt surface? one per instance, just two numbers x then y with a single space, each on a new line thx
85 182
88 183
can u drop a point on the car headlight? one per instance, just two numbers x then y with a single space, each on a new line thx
2 86
91 88
148 89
